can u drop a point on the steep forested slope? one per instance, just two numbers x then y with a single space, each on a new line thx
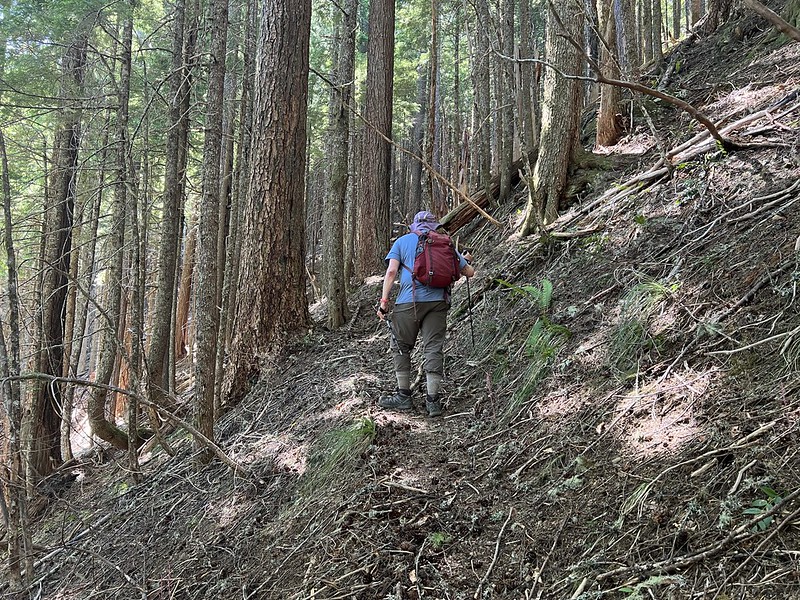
622 410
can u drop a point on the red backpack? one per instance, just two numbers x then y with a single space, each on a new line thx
436 263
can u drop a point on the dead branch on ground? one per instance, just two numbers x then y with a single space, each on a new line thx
785 28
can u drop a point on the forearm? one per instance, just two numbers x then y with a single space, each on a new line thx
388 283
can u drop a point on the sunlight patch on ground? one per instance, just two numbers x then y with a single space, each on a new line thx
397 419
350 397
294 459
635 145
660 418
745 99
355 382
278 448
561 403
226 510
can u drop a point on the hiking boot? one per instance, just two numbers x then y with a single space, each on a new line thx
400 400
433 405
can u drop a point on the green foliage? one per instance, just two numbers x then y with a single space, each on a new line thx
337 451
573 483
543 342
541 295
761 506
631 337
438 539
637 592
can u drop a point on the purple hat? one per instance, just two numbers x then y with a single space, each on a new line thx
426 221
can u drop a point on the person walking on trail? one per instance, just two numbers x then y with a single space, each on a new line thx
418 309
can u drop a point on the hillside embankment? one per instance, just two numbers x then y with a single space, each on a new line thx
622 414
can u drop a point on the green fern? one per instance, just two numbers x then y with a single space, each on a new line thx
541 295
631 338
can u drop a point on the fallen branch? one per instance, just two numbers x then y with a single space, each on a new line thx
781 25
202 439
479 591
642 89
665 567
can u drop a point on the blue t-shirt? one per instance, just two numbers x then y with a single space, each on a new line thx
405 249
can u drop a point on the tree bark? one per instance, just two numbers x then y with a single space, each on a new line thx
560 112
110 343
609 127
206 310
272 302
339 151
676 19
480 78
44 422
18 537
506 99
180 83
238 191
373 198
430 198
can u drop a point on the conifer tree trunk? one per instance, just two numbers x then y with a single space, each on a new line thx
429 195
628 45
180 82
373 193
43 430
85 284
339 151
560 112
18 536
238 190
696 8
609 127
655 29
271 301
183 334
206 310
529 87
645 28
676 19
415 195
110 342
480 76
506 99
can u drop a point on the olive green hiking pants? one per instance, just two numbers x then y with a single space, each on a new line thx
409 320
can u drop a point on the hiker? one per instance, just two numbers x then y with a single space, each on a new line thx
418 309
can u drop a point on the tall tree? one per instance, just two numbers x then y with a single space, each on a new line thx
339 151
506 98
529 88
206 310
429 189
163 313
481 110
560 112
18 537
113 313
373 199
238 190
271 300
656 28
609 127
44 422
627 34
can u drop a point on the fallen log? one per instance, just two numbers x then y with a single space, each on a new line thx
464 212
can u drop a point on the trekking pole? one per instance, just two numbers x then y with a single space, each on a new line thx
391 332
469 305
